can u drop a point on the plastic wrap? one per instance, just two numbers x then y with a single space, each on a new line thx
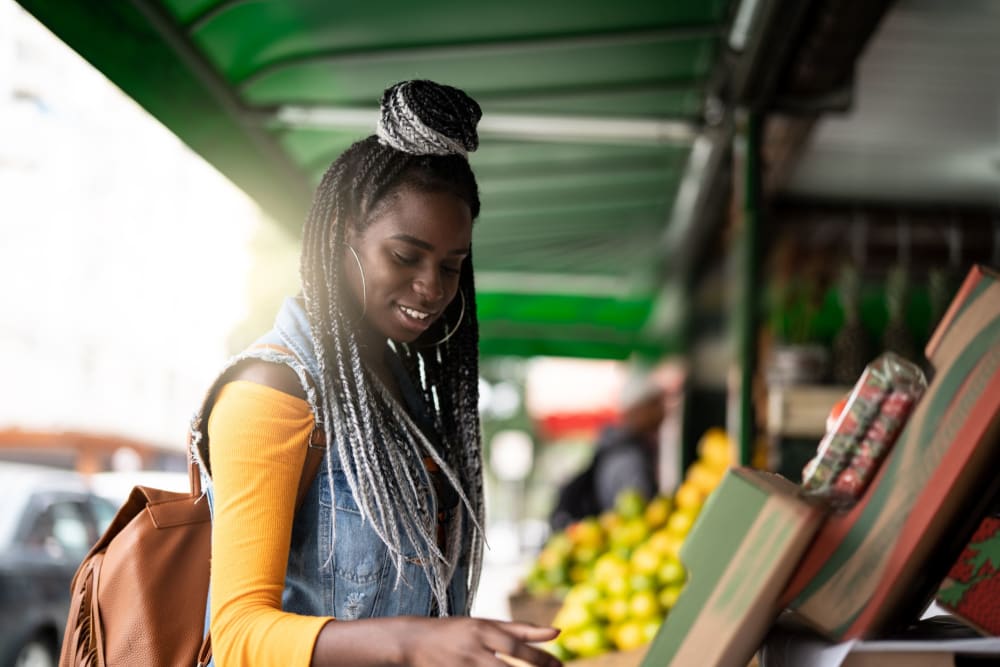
860 437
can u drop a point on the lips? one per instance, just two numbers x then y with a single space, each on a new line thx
415 319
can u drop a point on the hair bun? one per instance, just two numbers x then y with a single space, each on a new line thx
426 118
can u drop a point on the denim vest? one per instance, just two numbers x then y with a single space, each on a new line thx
352 576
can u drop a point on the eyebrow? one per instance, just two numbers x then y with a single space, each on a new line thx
413 240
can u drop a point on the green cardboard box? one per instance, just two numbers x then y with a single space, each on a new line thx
740 553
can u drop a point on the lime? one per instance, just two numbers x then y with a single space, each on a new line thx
680 522
668 596
643 605
650 628
657 512
642 582
616 609
630 635
630 504
671 572
588 641
644 559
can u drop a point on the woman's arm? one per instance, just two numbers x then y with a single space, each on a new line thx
430 642
258 437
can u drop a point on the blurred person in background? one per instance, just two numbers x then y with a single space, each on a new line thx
625 457
379 350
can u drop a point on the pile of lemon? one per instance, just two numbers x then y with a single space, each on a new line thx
620 573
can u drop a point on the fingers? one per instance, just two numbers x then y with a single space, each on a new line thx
508 640
530 633
522 655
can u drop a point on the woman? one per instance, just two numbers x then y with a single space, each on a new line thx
379 353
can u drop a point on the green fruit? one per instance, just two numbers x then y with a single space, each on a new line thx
630 504
588 641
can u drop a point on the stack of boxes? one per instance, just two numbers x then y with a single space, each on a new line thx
761 547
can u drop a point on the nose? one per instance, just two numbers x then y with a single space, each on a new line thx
428 285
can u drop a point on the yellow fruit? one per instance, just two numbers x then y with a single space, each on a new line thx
668 596
651 627
671 572
630 533
680 522
617 587
588 641
704 478
557 575
643 582
584 594
572 616
643 605
616 609
718 453
713 438
630 504
559 544
608 568
644 560
586 533
609 520
688 496
556 648
657 512
659 542
585 554
630 635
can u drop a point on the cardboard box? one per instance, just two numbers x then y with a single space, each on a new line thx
972 589
875 567
743 547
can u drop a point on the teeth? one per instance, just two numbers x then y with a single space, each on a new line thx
415 314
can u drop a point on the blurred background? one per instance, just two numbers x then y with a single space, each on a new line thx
737 202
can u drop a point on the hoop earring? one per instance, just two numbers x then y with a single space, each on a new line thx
364 288
451 333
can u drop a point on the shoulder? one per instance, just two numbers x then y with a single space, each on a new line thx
270 374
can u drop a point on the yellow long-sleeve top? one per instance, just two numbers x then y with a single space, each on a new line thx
258 441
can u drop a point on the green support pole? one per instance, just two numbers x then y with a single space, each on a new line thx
749 288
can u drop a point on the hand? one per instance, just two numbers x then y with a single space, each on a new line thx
433 642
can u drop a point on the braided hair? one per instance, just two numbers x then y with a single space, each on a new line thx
424 133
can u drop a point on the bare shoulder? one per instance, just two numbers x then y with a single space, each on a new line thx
270 374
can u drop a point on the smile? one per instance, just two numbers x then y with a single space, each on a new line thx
415 314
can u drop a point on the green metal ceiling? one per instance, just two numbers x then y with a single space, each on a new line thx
590 111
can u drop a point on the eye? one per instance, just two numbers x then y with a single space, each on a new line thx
406 260
454 270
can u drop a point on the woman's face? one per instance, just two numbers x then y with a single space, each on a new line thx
412 256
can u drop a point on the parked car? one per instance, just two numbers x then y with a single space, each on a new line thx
49 522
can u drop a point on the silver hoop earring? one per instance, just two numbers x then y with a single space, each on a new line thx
461 316
364 288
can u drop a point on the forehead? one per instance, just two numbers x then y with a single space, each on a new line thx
439 218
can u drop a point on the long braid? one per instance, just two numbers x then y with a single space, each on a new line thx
380 449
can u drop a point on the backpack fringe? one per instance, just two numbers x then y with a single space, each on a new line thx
82 650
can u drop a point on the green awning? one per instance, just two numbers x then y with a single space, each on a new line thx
590 112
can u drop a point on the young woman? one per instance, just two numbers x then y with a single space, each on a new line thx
376 561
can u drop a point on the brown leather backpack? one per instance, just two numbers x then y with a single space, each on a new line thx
138 597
